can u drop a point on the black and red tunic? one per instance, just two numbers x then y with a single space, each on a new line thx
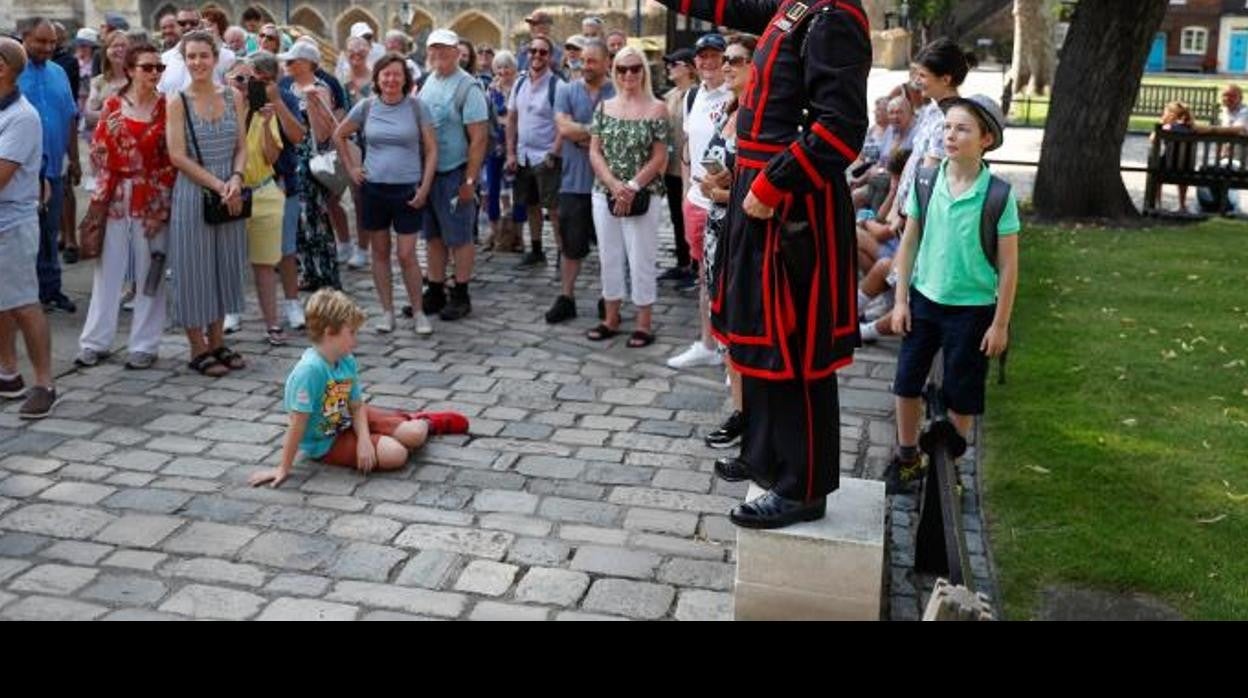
802 121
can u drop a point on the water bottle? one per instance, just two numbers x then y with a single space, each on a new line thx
156 270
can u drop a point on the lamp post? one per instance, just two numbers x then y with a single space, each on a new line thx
406 14
637 31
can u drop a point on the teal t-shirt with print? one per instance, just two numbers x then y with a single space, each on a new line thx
325 392
950 267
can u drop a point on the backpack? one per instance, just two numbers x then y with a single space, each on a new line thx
691 95
460 98
552 86
989 218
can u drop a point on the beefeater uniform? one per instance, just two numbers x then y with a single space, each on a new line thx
786 300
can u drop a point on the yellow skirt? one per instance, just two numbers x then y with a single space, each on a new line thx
264 228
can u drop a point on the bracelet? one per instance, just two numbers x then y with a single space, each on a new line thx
632 184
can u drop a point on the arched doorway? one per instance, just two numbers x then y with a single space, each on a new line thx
353 14
308 18
478 27
264 12
165 9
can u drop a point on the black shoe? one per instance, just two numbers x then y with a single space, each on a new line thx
532 258
675 274
457 309
563 309
732 469
729 433
70 255
773 511
12 388
60 302
432 302
687 285
901 476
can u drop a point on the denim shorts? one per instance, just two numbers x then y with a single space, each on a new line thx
454 223
19 282
385 206
290 222
957 330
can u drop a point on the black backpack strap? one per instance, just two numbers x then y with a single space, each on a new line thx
924 185
995 201
691 96
190 125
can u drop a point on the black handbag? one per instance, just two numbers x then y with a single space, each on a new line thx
215 210
639 207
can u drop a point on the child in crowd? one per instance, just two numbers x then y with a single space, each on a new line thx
1177 118
328 420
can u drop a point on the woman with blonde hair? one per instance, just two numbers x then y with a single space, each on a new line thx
628 151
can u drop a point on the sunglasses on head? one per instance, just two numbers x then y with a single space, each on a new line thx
634 69
151 67
539 52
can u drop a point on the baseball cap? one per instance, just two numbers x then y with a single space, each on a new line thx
989 112
540 17
680 55
301 51
361 29
710 41
575 41
593 19
442 37
116 21
87 37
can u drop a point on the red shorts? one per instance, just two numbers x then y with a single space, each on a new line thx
695 228
381 422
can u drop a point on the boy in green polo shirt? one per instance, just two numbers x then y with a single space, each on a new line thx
950 294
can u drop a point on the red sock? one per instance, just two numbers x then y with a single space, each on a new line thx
444 422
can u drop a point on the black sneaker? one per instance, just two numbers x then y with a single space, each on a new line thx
457 309
901 476
70 255
532 258
729 433
432 302
563 309
12 388
59 302
687 285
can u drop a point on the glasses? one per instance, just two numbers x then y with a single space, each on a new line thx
268 37
188 22
539 52
634 69
151 67
737 61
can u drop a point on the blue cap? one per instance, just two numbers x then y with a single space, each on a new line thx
711 41
116 21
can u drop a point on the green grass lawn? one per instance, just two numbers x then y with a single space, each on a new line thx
1034 111
1117 454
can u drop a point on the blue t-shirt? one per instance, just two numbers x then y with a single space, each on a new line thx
573 99
325 392
393 135
21 143
47 88
287 164
439 95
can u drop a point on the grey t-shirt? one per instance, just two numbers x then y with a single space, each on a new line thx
21 142
573 99
392 151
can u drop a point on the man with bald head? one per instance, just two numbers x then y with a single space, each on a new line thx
46 85
21 152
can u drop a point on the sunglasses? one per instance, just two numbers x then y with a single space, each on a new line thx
539 52
634 69
264 37
737 61
188 23
151 67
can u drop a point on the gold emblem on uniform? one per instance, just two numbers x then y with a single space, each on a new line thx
792 16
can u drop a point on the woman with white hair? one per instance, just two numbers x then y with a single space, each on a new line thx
628 151
498 202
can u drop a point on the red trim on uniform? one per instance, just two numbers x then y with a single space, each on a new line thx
857 13
744 144
685 5
807 165
760 373
836 366
812 326
835 142
771 63
750 162
719 11
765 191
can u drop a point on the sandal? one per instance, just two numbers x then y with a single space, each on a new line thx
639 339
230 358
275 337
600 333
207 365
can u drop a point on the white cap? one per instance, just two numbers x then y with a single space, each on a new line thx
442 37
361 29
88 36
301 50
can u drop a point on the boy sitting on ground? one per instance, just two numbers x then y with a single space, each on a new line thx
328 420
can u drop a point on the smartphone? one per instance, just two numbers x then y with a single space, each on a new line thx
712 166
257 95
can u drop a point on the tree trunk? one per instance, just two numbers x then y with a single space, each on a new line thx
1033 37
1095 90
1020 70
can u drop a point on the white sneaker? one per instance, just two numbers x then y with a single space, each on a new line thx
878 307
344 252
359 259
423 326
294 315
232 323
696 355
385 324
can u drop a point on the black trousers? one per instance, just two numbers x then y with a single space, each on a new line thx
792 428
675 198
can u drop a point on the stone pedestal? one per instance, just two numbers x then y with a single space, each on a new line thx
890 49
830 569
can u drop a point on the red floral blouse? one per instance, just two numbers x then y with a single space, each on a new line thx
128 149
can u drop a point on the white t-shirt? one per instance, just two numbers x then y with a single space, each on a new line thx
700 126
1237 118
177 78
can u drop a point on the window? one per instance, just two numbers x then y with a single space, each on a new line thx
1195 41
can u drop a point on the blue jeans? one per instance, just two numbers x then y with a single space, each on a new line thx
48 263
494 186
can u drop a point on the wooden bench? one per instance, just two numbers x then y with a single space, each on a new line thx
1219 162
1203 101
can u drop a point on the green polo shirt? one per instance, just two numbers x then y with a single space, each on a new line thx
951 268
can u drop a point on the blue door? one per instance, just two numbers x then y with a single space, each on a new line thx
1237 60
1157 56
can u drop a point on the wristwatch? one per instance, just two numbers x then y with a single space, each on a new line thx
632 184
471 181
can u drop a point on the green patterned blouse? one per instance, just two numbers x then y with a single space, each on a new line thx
627 145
